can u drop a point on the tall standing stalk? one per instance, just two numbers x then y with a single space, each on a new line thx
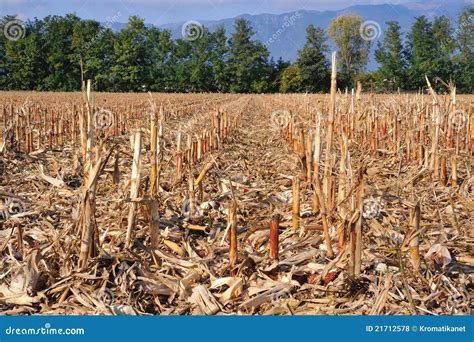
329 134
191 195
296 203
341 193
357 235
93 167
153 151
134 187
437 120
358 242
233 252
160 146
454 157
324 217
179 157
317 158
88 202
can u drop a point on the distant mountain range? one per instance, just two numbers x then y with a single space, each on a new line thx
284 34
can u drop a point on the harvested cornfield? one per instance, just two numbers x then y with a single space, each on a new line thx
185 204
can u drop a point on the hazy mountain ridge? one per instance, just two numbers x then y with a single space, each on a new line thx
289 29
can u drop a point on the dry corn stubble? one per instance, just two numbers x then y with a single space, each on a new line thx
391 191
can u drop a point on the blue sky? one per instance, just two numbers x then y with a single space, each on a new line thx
169 11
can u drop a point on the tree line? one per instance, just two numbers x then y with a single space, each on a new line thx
55 53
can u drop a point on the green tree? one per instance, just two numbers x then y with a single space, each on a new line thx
93 45
218 59
3 57
391 56
368 80
161 59
131 69
101 59
181 66
353 49
312 62
22 62
200 63
464 59
63 72
248 70
277 69
291 79
421 49
445 46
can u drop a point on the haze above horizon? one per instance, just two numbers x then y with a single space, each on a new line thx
172 11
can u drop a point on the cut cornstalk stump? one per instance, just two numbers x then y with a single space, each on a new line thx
274 236
134 187
296 203
191 195
153 152
415 240
179 158
233 251
324 217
